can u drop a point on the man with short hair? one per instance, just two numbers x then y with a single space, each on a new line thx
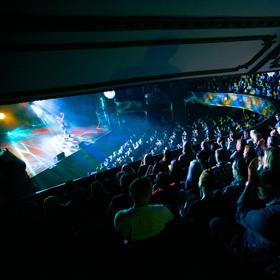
142 221
222 171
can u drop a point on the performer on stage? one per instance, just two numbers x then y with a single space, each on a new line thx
98 127
64 125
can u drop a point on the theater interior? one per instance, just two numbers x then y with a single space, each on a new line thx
140 139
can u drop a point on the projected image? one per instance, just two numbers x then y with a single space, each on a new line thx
43 132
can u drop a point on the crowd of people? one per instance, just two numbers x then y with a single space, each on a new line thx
261 84
157 138
225 193
216 203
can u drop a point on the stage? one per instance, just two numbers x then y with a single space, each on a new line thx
50 157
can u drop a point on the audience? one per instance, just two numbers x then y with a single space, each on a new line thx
260 231
228 192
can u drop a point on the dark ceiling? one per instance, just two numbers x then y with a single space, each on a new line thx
76 47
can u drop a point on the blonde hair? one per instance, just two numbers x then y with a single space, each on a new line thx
271 159
206 182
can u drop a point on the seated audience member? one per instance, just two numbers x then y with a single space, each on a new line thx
145 163
271 160
221 142
116 189
222 171
277 117
259 142
274 132
142 221
177 175
260 155
231 142
96 204
127 168
202 210
239 172
56 218
272 142
259 235
238 153
123 200
213 147
249 141
15 183
231 192
166 160
262 226
249 154
246 135
187 155
166 193
204 145
195 169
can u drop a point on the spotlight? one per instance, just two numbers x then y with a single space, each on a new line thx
110 94
2 116
37 110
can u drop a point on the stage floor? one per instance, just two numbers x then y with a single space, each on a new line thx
38 147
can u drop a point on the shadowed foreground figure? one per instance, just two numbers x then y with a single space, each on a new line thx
15 183
258 214
142 221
